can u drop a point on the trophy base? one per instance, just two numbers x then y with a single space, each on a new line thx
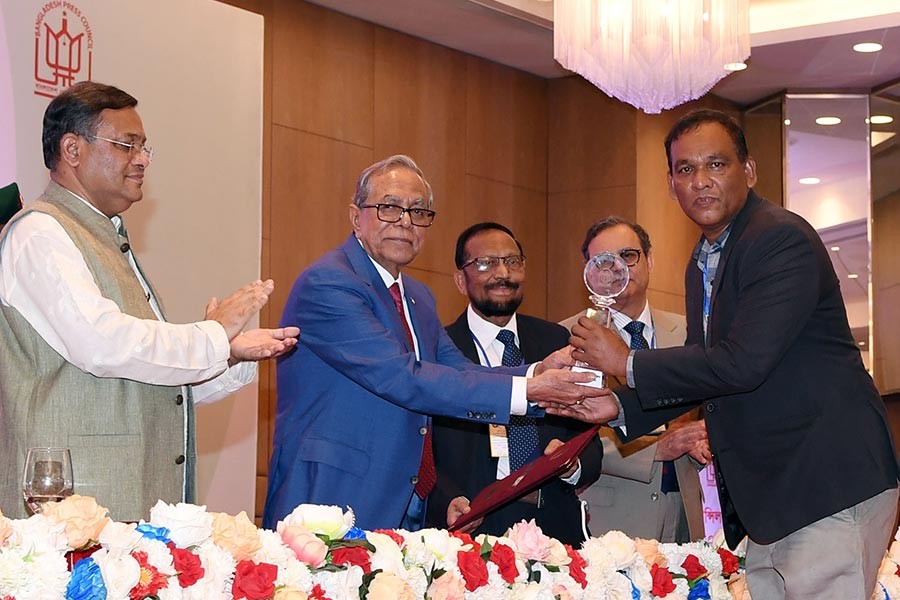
599 377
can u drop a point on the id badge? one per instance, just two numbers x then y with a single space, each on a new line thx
499 444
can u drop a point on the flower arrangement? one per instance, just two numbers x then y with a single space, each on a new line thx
185 552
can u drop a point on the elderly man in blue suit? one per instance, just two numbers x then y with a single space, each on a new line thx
354 399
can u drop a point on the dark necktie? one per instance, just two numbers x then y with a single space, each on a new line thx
636 330
521 433
669 481
427 477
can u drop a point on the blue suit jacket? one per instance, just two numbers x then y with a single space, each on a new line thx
352 398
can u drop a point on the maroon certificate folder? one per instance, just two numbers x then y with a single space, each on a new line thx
526 479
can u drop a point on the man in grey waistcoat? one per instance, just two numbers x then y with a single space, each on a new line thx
87 360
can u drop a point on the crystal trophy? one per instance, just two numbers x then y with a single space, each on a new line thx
605 276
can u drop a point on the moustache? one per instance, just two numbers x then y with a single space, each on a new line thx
503 284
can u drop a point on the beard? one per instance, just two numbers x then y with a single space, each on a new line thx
495 308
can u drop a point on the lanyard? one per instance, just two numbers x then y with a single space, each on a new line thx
487 361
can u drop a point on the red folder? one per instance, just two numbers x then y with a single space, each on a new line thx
526 479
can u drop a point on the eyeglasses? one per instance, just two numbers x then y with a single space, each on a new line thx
483 264
631 256
132 148
391 213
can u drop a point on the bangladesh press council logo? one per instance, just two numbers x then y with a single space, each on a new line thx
63 48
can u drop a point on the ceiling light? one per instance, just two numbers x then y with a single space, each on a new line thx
852 276
868 47
881 119
835 248
653 55
828 121
787 122
808 180
860 343
736 66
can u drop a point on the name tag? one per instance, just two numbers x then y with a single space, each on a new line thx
499 443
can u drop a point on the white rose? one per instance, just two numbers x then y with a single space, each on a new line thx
188 524
121 572
340 584
330 521
40 533
387 556
119 538
622 548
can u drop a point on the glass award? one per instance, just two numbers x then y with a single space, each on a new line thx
605 276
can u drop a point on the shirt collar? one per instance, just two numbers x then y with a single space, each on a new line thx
621 319
386 276
485 331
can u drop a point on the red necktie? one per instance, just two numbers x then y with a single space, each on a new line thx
427 477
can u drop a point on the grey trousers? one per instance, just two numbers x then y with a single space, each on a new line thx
836 557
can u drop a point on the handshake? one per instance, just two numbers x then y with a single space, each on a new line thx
561 391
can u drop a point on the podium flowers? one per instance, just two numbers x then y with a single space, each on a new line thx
228 558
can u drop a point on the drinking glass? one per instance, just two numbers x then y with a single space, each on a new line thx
47 477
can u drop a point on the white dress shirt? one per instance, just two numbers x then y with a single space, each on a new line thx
45 278
490 354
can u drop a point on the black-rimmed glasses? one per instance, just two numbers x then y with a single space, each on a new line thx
132 148
484 264
631 256
391 213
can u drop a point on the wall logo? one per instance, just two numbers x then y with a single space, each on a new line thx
63 48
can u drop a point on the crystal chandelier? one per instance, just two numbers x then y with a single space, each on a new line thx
652 54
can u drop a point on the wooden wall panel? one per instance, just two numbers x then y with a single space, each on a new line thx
524 211
570 216
313 179
506 125
592 139
322 72
420 106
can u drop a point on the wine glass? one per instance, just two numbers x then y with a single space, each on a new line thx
47 477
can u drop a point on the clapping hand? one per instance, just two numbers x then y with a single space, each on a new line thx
260 344
236 309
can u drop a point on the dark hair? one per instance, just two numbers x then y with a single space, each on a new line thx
609 222
697 118
77 110
470 232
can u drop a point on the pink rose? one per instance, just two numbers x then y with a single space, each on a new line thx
649 550
308 548
447 587
529 541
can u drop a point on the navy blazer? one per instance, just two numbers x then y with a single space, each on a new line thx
797 427
352 398
463 457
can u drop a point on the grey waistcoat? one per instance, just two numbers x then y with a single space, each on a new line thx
127 438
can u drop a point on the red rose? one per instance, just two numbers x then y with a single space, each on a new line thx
473 568
730 562
356 555
576 566
318 593
187 565
393 535
254 581
662 581
693 567
465 538
505 558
